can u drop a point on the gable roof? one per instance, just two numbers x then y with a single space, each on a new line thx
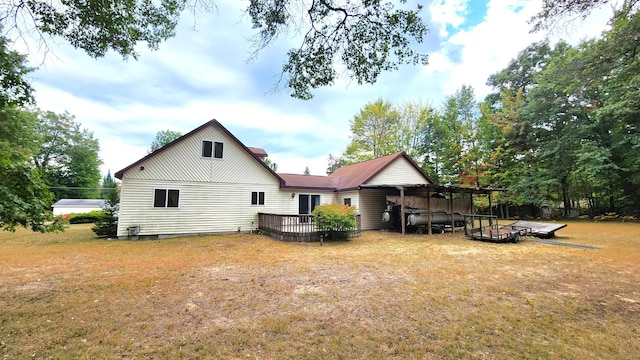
212 122
355 175
351 176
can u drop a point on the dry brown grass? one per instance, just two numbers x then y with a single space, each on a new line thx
378 296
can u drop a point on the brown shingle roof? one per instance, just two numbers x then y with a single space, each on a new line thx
354 175
348 177
260 152
309 181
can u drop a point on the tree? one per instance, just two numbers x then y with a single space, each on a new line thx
361 38
273 166
68 156
373 132
109 189
107 224
334 163
458 139
554 11
162 138
307 171
15 90
24 198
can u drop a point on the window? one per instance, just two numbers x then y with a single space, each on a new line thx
218 150
166 198
257 198
347 201
212 149
207 148
306 203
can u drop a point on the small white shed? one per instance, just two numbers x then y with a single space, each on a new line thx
76 206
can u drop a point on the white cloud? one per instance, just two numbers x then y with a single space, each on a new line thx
447 12
489 46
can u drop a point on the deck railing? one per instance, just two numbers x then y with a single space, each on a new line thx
295 227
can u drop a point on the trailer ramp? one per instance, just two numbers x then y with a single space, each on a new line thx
539 229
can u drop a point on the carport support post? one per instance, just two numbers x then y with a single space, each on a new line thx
404 221
429 213
453 221
490 210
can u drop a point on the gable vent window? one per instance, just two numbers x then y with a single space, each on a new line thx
257 198
218 150
166 198
207 148
212 149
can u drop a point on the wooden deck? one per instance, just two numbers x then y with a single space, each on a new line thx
299 228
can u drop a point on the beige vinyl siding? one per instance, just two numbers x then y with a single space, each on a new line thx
326 197
184 162
353 195
203 207
371 205
399 172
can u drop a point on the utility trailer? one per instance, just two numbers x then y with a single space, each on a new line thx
540 229
488 228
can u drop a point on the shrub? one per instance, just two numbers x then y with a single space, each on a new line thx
335 221
85 218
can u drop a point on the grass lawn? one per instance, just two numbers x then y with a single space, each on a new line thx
381 295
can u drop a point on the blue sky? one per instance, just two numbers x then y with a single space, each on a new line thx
203 73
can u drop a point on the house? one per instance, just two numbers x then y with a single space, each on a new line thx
207 181
76 206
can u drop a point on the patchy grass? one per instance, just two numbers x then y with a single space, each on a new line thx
380 295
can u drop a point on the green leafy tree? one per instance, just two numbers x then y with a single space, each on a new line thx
361 38
520 74
458 144
24 198
68 157
162 138
374 132
307 171
556 11
15 91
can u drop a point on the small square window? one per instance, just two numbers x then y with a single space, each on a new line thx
207 148
218 150
347 201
